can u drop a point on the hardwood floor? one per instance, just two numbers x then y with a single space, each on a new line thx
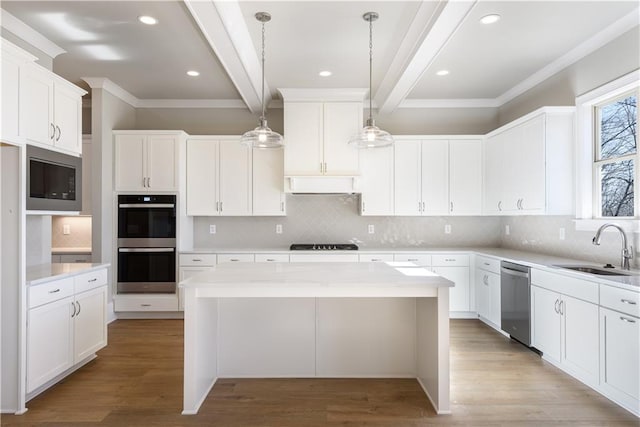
137 381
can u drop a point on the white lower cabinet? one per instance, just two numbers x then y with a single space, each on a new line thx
455 268
545 316
190 265
488 293
66 323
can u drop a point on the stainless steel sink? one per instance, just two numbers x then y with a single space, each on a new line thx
595 270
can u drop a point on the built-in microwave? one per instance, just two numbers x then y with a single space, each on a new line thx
54 181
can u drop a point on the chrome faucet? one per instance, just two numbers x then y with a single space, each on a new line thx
627 251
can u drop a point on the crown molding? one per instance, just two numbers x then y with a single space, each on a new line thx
106 84
450 103
321 94
592 44
29 35
191 103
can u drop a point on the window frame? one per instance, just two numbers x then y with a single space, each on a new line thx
586 122
597 162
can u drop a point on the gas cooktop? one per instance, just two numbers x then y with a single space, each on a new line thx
323 247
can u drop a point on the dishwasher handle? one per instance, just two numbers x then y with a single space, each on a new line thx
512 272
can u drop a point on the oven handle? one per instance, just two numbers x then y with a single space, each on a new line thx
146 205
146 249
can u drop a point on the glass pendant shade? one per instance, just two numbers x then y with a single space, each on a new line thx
371 136
262 137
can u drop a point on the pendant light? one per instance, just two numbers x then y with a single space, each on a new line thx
371 136
262 136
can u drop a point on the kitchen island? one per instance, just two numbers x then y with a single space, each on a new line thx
316 320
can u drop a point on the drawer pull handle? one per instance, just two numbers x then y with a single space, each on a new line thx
449 259
375 260
486 263
145 305
270 259
196 260
234 259
626 319
93 280
54 291
626 301
413 259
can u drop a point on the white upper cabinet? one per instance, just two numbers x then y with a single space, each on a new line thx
50 110
528 165
376 167
268 183
12 58
146 161
465 177
317 127
219 177
438 177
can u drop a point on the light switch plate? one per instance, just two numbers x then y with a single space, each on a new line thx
66 229
371 228
212 229
278 228
561 233
447 229
507 230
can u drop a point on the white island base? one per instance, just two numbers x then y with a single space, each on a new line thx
309 320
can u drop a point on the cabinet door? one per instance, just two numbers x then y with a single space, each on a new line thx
202 177
482 293
407 179
458 295
342 120
234 187
465 177
49 341
619 355
162 168
531 165
435 177
268 183
303 138
67 115
546 322
580 337
90 323
495 315
493 174
36 105
376 168
510 165
129 163
10 98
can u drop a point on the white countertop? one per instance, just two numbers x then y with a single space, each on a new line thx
76 250
42 273
317 280
530 259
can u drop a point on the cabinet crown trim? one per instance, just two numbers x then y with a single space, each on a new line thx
323 95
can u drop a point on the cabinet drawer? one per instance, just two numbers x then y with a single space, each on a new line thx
376 257
90 280
195 260
146 303
620 300
571 286
75 258
419 259
488 264
324 257
235 258
50 291
272 258
453 260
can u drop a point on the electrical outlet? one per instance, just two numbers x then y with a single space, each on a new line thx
278 228
561 234
66 229
507 230
447 229
372 229
212 229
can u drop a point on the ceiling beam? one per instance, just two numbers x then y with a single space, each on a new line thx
427 36
225 29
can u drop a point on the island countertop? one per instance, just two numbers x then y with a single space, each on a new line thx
342 279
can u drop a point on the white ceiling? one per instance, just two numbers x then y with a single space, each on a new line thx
412 40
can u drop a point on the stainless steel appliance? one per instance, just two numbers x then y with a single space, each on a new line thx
515 300
146 244
54 181
323 247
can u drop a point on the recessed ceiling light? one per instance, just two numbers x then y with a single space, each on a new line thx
193 73
149 20
324 73
490 19
442 73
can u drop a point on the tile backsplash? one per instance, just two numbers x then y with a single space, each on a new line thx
79 232
334 218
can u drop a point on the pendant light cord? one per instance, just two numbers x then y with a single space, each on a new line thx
370 68
263 32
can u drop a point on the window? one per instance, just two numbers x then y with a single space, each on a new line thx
616 157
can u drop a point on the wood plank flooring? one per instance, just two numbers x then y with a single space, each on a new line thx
137 381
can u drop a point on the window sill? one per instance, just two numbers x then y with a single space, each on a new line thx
628 225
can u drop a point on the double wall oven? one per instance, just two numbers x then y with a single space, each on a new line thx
146 244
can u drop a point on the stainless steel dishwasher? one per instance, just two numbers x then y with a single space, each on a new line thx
515 299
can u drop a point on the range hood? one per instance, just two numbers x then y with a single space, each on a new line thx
322 184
